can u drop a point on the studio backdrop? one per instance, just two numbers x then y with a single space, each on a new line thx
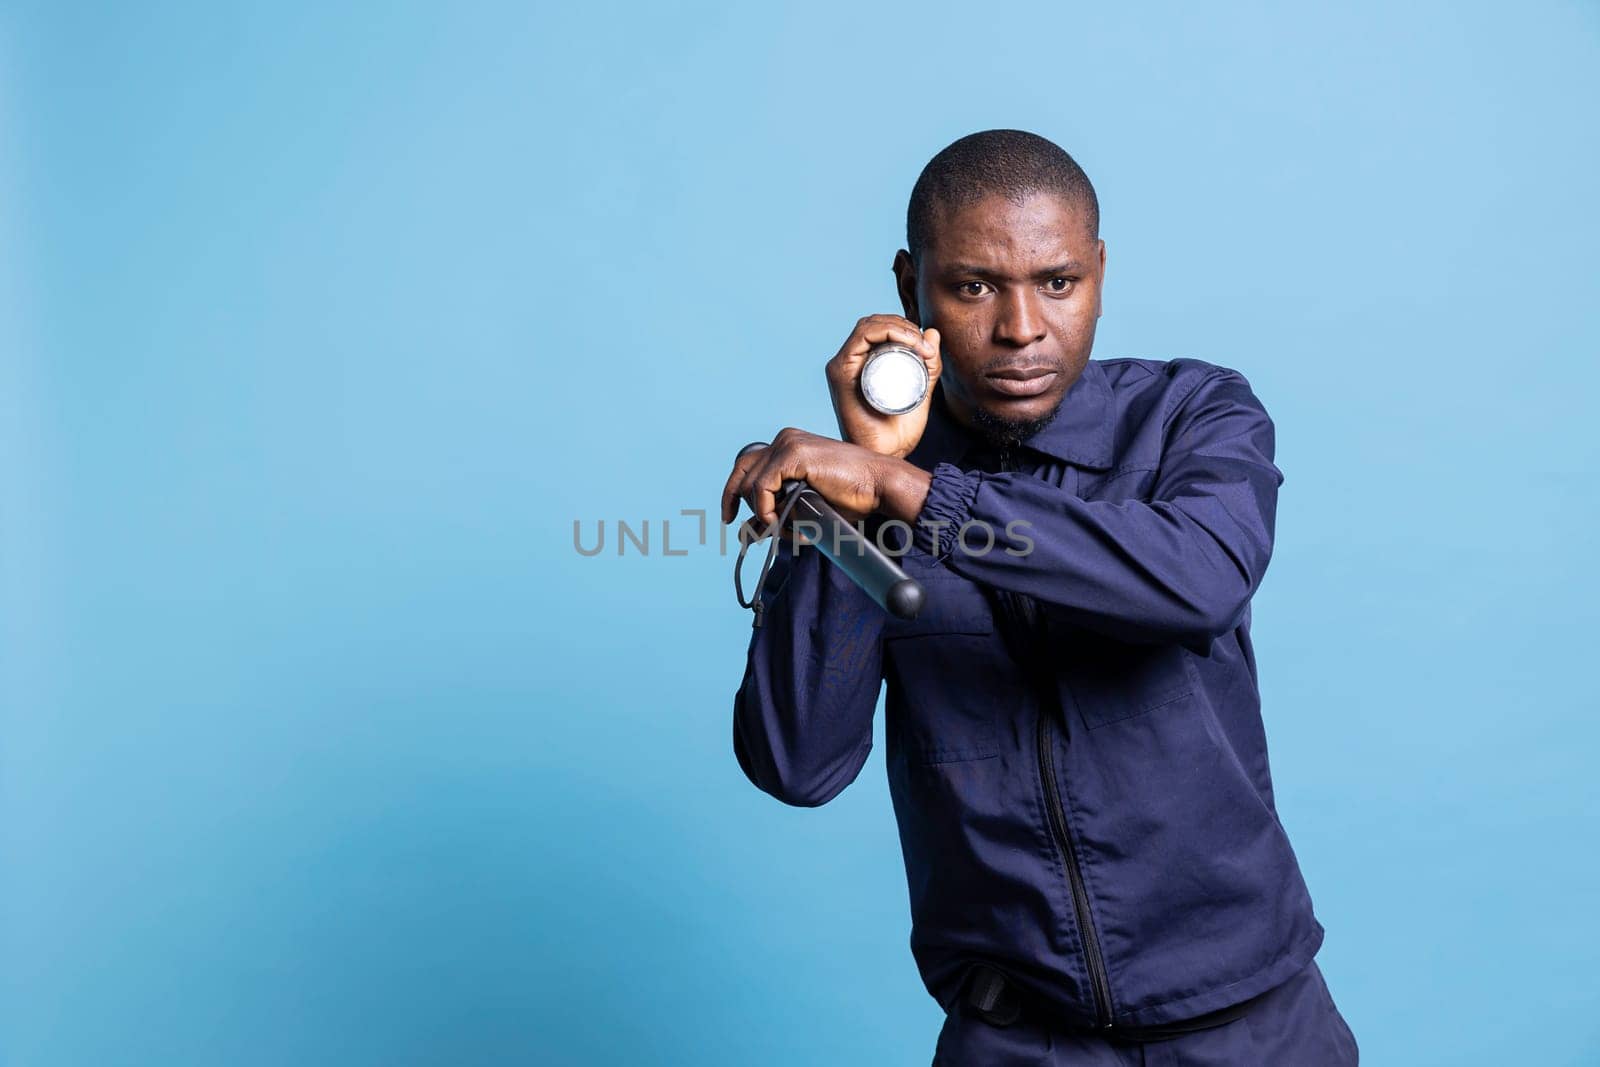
331 339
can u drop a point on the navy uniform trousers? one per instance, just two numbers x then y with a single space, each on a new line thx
1293 1025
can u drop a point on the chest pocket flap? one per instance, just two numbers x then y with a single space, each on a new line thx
951 604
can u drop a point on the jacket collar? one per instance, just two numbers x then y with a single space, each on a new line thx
1081 432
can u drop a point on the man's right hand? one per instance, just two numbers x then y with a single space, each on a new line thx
859 422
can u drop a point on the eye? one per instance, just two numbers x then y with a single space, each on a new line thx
970 288
1059 285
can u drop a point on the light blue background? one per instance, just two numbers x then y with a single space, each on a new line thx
321 744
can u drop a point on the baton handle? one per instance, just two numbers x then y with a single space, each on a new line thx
863 562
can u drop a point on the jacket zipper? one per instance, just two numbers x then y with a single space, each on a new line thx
1095 962
1080 895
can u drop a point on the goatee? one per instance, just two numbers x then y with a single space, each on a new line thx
1000 432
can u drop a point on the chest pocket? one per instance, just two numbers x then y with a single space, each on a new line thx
1111 681
942 664
951 604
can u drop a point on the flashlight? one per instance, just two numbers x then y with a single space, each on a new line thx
894 379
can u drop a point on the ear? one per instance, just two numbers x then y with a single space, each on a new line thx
1099 290
905 279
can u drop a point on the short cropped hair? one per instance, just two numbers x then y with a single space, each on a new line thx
1009 163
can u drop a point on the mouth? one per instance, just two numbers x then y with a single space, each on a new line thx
1021 382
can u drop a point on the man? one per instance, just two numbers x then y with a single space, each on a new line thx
1074 740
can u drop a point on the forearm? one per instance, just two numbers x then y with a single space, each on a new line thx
1178 565
1181 569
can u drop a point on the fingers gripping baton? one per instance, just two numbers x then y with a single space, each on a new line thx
862 561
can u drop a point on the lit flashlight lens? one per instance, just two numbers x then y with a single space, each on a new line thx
894 379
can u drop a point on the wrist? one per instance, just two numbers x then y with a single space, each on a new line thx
902 488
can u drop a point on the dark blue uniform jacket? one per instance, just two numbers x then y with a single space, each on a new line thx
1073 727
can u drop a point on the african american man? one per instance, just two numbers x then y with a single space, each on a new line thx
1073 732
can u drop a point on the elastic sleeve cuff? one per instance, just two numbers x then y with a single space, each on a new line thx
948 505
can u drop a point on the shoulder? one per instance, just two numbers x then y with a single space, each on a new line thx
1169 386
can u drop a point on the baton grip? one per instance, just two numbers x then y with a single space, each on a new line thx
862 561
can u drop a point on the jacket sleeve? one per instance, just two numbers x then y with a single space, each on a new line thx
1181 567
802 718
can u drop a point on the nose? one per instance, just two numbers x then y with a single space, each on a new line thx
1020 323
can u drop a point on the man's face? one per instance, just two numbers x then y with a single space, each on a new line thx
1014 289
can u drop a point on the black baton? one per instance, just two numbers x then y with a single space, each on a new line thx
863 562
